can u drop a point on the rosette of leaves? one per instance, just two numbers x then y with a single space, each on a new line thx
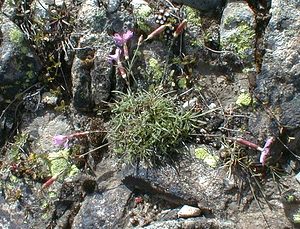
149 127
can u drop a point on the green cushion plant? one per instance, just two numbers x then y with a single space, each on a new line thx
149 127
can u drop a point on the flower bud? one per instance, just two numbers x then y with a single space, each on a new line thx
180 28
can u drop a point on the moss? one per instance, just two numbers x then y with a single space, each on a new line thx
204 155
244 100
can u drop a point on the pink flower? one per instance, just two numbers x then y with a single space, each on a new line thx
61 140
122 39
115 57
266 151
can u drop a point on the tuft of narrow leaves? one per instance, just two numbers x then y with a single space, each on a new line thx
149 128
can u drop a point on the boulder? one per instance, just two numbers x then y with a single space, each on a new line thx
19 65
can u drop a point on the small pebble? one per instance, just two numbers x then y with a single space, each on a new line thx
190 103
188 211
212 106
49 99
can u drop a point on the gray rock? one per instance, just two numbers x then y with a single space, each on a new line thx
195 184
49 99
19 65
199 222
91 72
279 79
103 210
188 212
113 5
86 77
237 32
81 81
9 9
10 215
91 18
43 128
204 5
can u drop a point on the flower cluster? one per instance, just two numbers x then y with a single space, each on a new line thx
63 140
265 151
121 41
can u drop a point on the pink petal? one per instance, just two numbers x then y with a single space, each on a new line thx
116 56
127 36
60 140
266 151
118 39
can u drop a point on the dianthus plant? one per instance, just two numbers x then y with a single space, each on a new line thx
149 127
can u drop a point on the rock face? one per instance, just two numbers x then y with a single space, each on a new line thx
237 31
213 61
204 5
92 75
19 66
103 210
90 68
278 82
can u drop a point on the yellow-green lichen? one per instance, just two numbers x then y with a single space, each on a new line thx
155 69
16 36
244 100
142 13
296 217
204 155
193 16
241 41
60 163
290 198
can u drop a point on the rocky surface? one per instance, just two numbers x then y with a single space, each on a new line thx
278 87
203 5
19 65
237 60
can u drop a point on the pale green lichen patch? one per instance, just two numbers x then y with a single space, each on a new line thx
193 17
204 155
60 163
296 217
142 13
16 36
240 41
244 100
155 69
